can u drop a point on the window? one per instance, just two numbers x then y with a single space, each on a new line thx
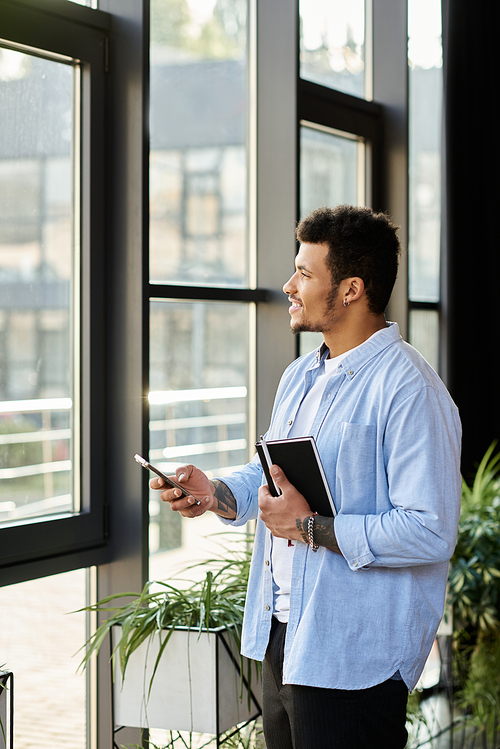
332 171
201 303
198 405
333 52
425 87
340 134
331 168
51 260
198 162
39 262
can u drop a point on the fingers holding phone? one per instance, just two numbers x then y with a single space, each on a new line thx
189 492
193 495
177 499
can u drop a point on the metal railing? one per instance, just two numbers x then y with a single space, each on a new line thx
20 499
35 418
174 452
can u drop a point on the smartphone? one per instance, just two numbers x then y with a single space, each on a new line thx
170 482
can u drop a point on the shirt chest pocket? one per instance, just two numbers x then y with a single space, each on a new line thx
355 471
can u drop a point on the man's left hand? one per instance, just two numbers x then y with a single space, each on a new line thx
284 515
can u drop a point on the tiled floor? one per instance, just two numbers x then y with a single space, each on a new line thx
38 639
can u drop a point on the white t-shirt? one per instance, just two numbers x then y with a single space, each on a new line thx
281 552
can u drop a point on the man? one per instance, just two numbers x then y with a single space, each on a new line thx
344 618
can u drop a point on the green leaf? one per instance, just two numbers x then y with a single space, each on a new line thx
216 601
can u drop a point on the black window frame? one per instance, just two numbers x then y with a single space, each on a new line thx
51 544
344 113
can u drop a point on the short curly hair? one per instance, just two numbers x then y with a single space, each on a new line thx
361 243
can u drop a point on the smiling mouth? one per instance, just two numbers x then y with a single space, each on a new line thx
294 305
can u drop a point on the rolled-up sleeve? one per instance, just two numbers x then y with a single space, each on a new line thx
421 476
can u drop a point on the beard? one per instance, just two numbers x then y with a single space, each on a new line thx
305 326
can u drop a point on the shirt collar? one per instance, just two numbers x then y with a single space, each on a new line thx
358 357
321 352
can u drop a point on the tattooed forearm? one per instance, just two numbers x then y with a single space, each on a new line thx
324 532
226 503
302 529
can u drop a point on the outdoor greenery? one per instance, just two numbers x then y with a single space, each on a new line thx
19 453
474 591
219 36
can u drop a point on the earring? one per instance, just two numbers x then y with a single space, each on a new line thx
346 303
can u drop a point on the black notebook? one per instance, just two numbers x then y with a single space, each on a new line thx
298 457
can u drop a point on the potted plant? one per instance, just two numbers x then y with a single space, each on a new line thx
474 591
175 650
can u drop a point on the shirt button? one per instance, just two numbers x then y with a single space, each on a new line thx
351 372
290 423
355 564
267 562
266 608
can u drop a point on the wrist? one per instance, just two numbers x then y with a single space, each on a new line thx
223 500
310 532
324 533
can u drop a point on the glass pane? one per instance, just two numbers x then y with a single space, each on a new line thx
331 173
37 285
424 334
39 642
332 44
425 84
198 164
198 412
330 169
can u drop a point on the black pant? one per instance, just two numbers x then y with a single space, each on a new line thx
298 717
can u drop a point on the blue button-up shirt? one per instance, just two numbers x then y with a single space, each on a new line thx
389 438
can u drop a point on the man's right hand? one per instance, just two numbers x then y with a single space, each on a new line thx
196 483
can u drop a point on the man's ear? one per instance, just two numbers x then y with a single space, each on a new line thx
353 289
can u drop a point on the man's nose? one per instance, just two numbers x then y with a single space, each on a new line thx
290 287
